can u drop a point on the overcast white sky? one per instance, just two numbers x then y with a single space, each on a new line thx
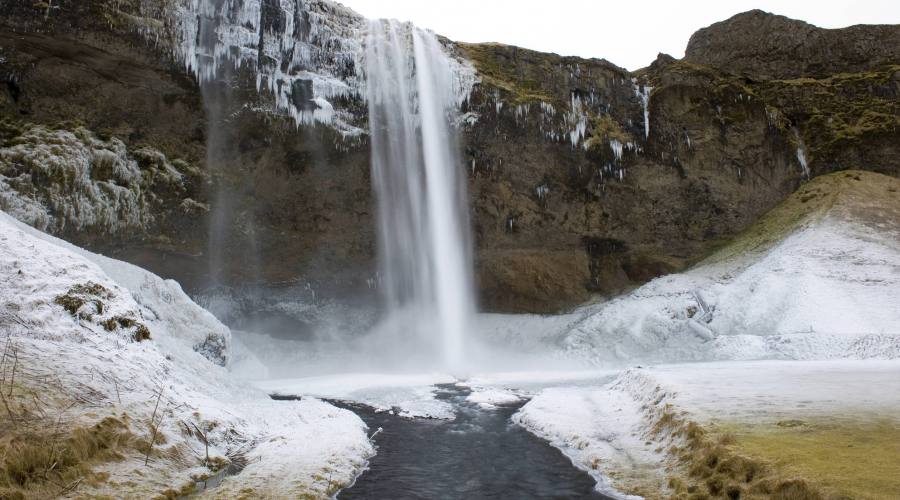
628 33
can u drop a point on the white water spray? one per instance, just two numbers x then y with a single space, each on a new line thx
423 223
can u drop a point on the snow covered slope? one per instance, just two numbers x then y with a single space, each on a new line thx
90 340
812 291
816 278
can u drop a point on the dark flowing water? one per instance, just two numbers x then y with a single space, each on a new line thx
480 454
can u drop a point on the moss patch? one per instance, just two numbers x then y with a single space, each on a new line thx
82 294
88 301
831 114
605 128
710 464
834 112
488 59
791 459
141 332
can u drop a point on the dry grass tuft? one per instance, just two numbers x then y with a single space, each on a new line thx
40 461
46 451
710 466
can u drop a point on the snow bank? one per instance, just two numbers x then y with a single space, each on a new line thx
491 398
602 430
77 318
827 290
173 319
613 431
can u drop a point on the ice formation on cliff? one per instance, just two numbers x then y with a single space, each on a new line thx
307 54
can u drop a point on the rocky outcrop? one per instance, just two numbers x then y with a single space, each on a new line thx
585 179
763 46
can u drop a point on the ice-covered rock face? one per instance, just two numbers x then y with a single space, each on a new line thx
307 54
304 52
71 180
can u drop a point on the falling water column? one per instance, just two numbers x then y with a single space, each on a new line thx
423 223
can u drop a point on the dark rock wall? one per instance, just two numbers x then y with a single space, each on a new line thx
712 164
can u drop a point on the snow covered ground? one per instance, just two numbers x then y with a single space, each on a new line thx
826 292
115 340
612 431
816 278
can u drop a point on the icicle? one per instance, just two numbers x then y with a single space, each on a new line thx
801 153
643 93
616 148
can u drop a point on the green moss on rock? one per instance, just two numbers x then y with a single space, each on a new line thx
488 59
605 128
836 112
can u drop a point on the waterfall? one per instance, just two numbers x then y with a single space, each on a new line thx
425 256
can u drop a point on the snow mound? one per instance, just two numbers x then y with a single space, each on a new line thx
601 430
170 315
817 278
121 341
491 398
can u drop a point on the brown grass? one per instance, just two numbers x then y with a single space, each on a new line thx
52 443
710 464
857 459
93 295
43 461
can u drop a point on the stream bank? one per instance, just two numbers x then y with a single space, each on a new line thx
478 454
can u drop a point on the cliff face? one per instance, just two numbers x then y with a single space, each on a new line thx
574 196
584 178
296 198
675 159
